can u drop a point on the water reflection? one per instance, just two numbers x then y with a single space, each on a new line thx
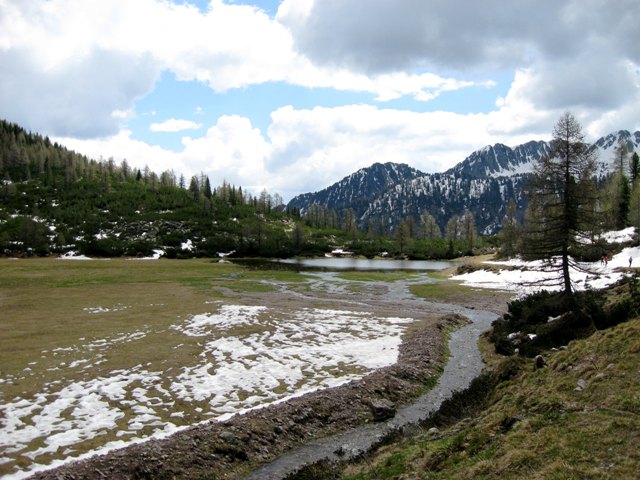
343 263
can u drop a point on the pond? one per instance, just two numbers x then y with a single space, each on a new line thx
345 263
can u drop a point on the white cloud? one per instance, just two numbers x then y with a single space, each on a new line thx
68 65
309 149
175 125
121 146
83 99
75 70
584 54
233 150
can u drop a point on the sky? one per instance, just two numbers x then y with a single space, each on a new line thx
291 96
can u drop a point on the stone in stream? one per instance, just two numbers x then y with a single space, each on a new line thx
382 409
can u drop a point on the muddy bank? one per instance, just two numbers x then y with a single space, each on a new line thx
229 449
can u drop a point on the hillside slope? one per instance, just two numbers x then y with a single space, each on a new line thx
579 417
55 201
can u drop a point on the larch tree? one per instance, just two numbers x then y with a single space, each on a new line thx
469 231
453 228
429 226
562 195
511 228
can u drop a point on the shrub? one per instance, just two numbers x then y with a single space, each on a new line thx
546 320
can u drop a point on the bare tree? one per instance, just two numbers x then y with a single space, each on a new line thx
469 230
510 234
453 228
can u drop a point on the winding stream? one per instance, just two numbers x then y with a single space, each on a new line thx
463 366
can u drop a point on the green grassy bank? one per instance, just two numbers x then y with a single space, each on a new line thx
576 418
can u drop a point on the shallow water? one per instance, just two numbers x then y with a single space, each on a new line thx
463 366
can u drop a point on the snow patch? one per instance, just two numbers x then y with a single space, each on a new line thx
250 356
525 278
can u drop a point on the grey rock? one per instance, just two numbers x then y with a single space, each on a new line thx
382 409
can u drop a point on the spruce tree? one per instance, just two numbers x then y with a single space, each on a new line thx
623 199
635 167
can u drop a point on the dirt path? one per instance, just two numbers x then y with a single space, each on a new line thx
233 448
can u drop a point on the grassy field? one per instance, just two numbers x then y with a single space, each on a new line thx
48 303
106 326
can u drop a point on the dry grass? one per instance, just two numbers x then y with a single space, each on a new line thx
45 303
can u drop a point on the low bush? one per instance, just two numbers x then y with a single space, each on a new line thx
546 320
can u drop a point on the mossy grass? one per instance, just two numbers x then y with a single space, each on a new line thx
579 417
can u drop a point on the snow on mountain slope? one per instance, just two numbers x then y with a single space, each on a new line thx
485 182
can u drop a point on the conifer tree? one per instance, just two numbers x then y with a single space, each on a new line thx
430 228
634 168
453 228
510 231
194 188
562 197
623 197
207 188
469 231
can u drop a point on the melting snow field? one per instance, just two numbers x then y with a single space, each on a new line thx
249 356
524 278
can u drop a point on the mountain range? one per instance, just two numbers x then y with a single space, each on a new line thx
483 183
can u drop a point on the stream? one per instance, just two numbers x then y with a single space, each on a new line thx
463 366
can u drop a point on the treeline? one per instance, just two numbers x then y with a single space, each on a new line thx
421 239
54 200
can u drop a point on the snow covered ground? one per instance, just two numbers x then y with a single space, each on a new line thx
524 278
250 356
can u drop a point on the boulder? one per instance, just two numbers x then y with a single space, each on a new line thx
382 409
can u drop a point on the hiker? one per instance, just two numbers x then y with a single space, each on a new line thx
630 261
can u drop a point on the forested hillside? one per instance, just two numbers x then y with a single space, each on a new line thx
53 200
